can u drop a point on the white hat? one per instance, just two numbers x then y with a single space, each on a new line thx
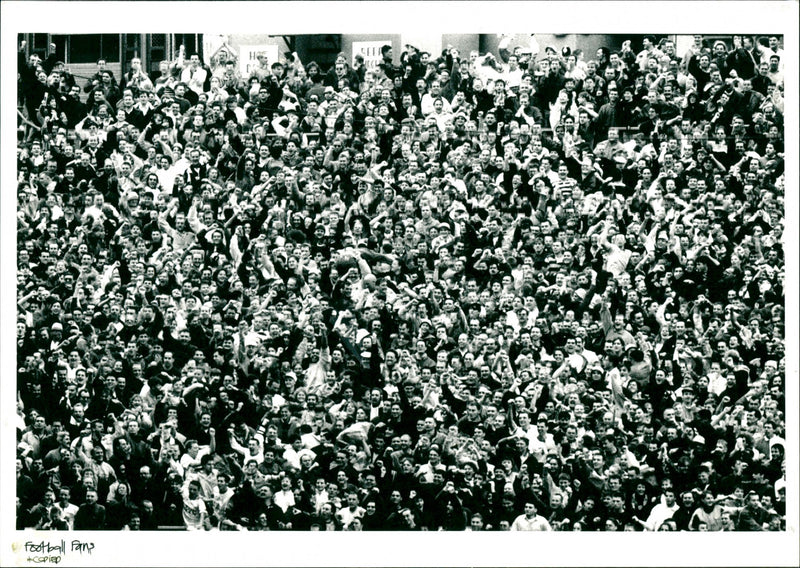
306 452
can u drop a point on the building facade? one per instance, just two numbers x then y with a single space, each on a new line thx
80 52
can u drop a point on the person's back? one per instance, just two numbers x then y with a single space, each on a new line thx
117 513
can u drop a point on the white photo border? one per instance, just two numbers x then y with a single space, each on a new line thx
382 549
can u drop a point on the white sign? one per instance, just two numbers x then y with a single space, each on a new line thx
248 57
370 51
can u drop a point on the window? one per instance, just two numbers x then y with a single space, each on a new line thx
193 43
62 44
90 48
157 51
131 46
38 44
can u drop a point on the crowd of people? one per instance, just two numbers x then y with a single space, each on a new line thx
537 289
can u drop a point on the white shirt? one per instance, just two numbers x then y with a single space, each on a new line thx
531 434
194 78
537 523
426 104
319 498
291 456
194 511
717 383
539 448
347 516
513 78
617 260
187 460
68 513
221 501
659 514
284 499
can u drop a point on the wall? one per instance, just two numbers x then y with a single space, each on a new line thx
588 43
235 40
321 48
424 42
318 46
84 71
463 42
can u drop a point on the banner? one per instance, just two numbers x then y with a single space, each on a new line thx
248 57
370 51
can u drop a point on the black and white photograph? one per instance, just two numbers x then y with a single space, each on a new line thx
398 282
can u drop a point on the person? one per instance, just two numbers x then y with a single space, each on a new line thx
297 300
136 77
353 512
91 516
68 509
662 512
530 521
752 516
195 75
775 72
195 514
709 513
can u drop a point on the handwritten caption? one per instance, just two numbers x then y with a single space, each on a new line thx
47 552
